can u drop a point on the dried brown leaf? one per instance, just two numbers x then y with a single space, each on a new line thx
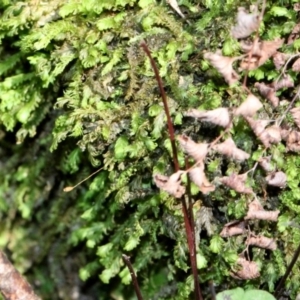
260 53
249 107
263 215
285 82
256 211
171 185
294 34
224 66
219 116
296 115
290 136
295 147
197 176
279 59
265 163
270 135
237 183
246 24
255 205
268 92
262 242
296 65
196 150
233 228
258 126
249 269
277 179
229 149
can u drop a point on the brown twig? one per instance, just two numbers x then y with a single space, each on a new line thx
279 287
12 284
164 98
189 227
135 283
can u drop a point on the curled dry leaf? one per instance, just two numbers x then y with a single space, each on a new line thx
292 139
277 179
279 59
262 242
294 34
224 66
196 150
270 135
258 126
285 82
249 107
246 23
268 92
256 211
290 136
248 270
197 176
229 149
237 183
171 185
260 53
293 147
265 163
267 136
233 228
296 115
219 116
296 65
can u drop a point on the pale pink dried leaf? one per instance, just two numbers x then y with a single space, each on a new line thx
246 23
175 6
196 150
197 176
255 205
260 53
224 66
277 179
296 65
262 242
290 136
256 211
296 115
207 187
294 34
262 215
268 92
279 59
270 135
229 149
265 163
219 116
297 7
258 126
171 185
249 107
285 82
248 270
295 147
236 228
237 183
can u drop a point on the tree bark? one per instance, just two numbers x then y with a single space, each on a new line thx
12 285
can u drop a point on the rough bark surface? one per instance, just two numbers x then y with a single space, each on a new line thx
12 285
